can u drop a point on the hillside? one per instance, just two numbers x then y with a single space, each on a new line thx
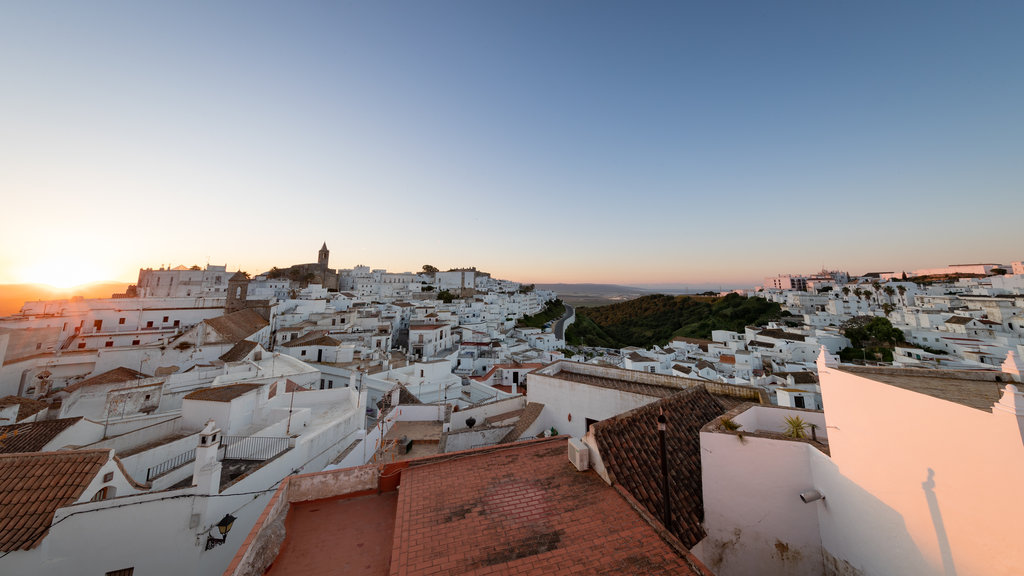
593 294
658 318
14 296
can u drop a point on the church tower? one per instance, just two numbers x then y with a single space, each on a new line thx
321 258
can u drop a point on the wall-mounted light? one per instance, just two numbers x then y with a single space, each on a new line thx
811 496
223 527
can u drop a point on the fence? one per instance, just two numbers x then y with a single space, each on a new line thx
231 448
168 465
252 447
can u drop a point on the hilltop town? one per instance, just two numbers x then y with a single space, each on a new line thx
311 420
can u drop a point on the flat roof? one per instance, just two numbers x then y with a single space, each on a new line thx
974 389
516 509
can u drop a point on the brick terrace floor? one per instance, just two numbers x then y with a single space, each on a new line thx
524 510
343 536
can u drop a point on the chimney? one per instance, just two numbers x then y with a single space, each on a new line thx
206 472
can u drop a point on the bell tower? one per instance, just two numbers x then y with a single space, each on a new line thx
322 258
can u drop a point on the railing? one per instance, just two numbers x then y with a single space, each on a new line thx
168 465
231 448
252 447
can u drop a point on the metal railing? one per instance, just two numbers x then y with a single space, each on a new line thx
231 448
252 447
168 465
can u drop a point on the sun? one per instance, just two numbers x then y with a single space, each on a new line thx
63 277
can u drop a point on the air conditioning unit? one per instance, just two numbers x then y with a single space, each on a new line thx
579 454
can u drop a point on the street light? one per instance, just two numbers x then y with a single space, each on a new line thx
223 527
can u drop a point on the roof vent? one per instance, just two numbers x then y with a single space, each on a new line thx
579 454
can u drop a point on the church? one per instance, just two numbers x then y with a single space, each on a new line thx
313 273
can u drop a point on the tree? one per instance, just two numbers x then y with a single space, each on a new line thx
864 330
846 290
903 292
889 291
428 269
445 296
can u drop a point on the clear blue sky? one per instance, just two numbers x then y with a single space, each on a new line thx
543 141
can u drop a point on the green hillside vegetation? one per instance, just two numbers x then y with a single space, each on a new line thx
656 319
552 311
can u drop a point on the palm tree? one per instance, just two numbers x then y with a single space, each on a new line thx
889 292
903 292
846 290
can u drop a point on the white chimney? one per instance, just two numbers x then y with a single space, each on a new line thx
206 472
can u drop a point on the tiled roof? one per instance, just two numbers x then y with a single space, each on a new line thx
315 338
616 384
427 326
526 419
522 509
237 325
221 393
759 344
115 376
959 320
239 351
800 377
681 368
26 406
635 357
630 448
33 486
974 389
32 436
404 397
782 335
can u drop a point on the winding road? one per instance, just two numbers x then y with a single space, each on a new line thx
560 324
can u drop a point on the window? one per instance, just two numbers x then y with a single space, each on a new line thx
108 345
97 324
149 324
39 345
81 344
120 320
103 494
798 401
135 342
330 384
177 323
303 353
166 318
110 475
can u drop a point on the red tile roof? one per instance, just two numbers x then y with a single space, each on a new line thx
32 436
237 325
115 376
26 406
239 351
33 486
521 510
221 393
630 448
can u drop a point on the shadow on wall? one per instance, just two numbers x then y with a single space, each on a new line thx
949 569
860 534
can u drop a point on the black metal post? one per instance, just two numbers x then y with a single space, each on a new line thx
662 421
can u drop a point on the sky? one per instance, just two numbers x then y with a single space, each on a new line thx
542 141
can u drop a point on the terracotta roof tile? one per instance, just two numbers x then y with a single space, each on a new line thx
237 325
221 393
526 419
239 351
115 376
26 406
33 436
33 486
630 448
